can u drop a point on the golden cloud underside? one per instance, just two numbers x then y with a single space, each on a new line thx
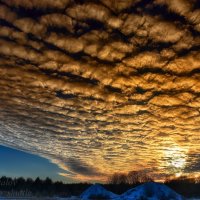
104 86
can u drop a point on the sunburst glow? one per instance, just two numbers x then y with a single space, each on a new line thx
176 159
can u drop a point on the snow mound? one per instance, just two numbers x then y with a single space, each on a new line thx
2 198
151 191
97 192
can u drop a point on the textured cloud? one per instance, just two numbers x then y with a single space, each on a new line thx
101 87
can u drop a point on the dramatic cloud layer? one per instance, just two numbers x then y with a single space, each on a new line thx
102 86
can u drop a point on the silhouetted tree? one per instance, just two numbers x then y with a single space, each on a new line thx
118 183
132 178
118 178
189 187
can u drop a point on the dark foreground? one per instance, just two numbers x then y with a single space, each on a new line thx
20 188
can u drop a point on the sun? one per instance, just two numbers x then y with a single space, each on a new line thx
178 162
175 159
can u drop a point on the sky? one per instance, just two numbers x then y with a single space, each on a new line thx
98 87
16 163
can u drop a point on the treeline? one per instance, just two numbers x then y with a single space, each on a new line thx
188 187
121 182
117 183
38 187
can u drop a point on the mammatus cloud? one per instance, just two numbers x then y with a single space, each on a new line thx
102 87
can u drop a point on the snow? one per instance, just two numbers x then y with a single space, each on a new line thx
147 191
96 190
67 198
151 191
194 198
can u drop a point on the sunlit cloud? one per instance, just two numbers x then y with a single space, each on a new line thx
102 87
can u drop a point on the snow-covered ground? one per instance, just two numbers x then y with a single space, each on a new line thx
194 198
37 198
151 191
147 191
97 190
69 198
